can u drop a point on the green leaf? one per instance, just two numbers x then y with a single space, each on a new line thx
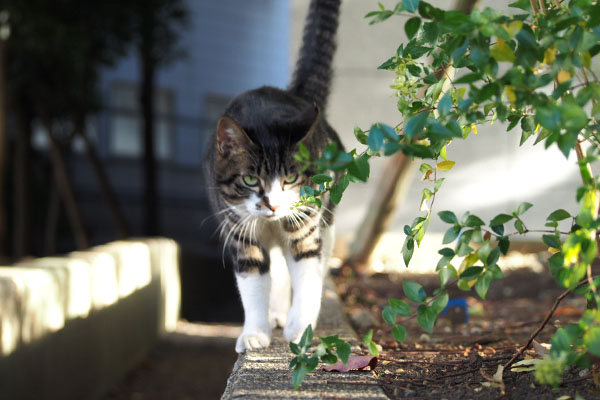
338 189
483 283
389 132
445 274
389 315
412 27
474 221
484 251
573 117
415 124
448 217
438 184
300 373
451 234
440 302
307 337
471 273
368 341
411 5
591 340
399 333
373 350
548 117
426 317
468 78
321 178
343 351
523 207
400 307
375 139
464 249
504 244
294 348
551 241
303 150
360 168
493 257
407 249
445 104
414 291
558 215
360 135
519 226
500 219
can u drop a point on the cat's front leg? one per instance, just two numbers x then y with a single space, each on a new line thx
307 286
305 264
254 284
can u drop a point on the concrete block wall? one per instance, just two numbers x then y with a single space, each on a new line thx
71 326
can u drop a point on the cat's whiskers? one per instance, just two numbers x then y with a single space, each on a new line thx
296 220
234 228
303 210
231 208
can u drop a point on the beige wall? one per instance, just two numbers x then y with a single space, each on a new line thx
492 174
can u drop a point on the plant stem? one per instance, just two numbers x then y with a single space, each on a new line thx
543 323
534 7
543 6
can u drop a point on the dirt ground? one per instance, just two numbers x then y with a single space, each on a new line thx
185 365
459 359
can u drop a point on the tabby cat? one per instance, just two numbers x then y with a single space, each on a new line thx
254 185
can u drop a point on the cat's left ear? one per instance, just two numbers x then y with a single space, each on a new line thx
308 120
231 138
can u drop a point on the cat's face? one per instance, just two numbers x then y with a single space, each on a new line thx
261 180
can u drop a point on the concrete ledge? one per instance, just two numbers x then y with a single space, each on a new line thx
70 327
264 374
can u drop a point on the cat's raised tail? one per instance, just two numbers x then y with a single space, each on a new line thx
313 73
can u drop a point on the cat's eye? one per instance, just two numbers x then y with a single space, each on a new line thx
250 180
291 179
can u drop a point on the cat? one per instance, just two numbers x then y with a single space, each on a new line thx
279 249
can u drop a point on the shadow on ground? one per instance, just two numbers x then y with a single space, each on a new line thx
182 366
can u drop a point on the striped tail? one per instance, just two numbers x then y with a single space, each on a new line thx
313 74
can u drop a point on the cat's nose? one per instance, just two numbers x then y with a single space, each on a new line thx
273 207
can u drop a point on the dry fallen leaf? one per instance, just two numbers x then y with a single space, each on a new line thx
354 363
541 348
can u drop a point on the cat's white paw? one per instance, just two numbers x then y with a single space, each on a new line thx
277 319
252 341
295 328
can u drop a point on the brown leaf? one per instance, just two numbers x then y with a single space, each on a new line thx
354 363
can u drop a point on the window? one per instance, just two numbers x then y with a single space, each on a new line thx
126 122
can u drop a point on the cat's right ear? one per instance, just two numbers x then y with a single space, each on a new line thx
231 138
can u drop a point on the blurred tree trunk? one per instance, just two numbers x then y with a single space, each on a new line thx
391 191
3 163
392 188
148 66
52 221
151 211
22 179
65 189
122 229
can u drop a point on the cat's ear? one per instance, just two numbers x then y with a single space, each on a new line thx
231 138
308 120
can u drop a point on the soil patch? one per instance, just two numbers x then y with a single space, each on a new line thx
459 359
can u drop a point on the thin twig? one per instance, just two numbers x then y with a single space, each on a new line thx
534 7
543 6
543 324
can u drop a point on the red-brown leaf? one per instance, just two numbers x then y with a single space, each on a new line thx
354 363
